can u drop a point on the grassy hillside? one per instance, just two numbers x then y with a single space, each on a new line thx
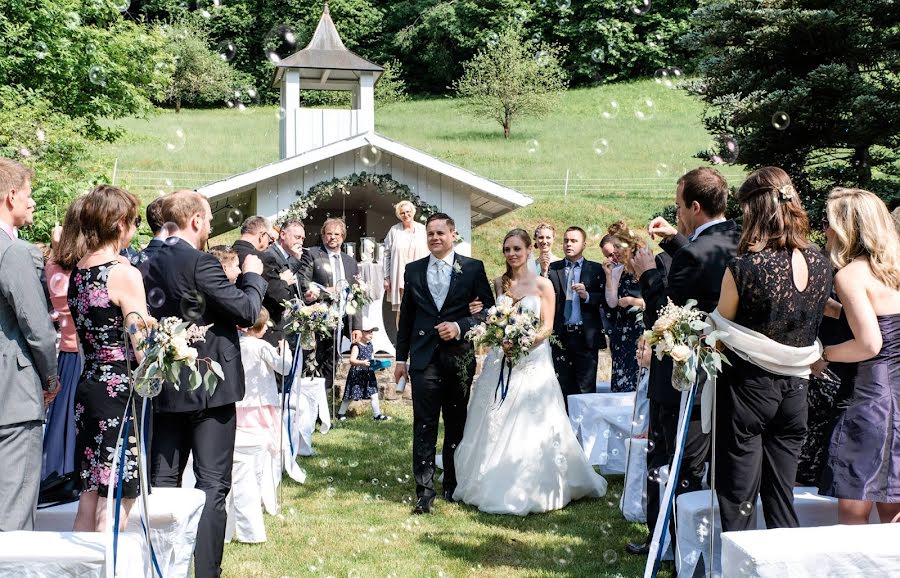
618 165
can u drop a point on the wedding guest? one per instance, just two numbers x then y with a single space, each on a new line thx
229 261
14 216
282 274
67 249
326 266
193 421
405 242
105 290
863 457
28 370
623 298
160 234
702 245
258 421
361 380
543 241
578 322
777 287
256 237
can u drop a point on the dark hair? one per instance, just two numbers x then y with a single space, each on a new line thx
522 234
579 229
254 224
154 215
71 248
442 217
708 187
103 209
223 253
181 206
773 215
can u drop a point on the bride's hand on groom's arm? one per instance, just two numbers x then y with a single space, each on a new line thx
447 330
475 307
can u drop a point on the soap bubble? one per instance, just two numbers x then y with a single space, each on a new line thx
279 43
226 50
781 120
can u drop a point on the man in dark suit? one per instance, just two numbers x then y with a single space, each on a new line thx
434 318
700 254
195 288
326 266
580 287
284 258
155 222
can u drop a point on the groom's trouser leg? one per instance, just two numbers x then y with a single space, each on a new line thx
455 403
426 395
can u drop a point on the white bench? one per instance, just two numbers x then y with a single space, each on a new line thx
82 554
602 422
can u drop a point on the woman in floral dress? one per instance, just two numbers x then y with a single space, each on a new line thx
102 286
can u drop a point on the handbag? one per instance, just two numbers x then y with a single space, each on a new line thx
56 489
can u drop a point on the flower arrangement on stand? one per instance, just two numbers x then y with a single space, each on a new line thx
359 296
308 321
681 333
166 347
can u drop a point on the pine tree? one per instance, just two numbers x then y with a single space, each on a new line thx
812 86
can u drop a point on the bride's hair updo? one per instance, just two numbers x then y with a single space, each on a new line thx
523 236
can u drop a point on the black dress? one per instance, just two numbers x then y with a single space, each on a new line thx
761 416
102 393
361 381
626 328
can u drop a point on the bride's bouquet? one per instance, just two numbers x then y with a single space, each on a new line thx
307 321
681 333
167 350
508 325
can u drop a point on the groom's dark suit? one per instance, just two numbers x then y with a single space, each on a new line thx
439 380
575 359
192 285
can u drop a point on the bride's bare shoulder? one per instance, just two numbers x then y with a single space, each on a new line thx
544 285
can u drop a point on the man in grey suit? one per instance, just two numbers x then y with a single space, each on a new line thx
28 380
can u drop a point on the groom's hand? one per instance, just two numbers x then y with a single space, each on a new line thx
400 372
447 330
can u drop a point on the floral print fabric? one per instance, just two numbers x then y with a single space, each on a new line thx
102 393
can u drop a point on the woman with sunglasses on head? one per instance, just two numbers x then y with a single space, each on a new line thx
863 464
105 291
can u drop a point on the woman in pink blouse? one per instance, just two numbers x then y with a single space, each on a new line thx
67 248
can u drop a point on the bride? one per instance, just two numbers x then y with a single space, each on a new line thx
521 456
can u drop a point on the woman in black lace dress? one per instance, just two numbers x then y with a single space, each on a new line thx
777 286
103 286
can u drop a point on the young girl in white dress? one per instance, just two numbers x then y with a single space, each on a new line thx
521 456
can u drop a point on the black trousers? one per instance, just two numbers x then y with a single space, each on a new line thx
662 441
209 435
761 422
575 363
442 387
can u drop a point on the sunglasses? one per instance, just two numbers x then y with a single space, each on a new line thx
271 238
137 222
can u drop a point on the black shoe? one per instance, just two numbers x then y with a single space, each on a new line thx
638 549
342 417
423 505
448 495
381 417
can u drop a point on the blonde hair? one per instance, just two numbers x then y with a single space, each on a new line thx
623 238
541 227
404 205
13 175
863 227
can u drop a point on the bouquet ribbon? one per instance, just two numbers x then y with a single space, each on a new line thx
502 388
286 390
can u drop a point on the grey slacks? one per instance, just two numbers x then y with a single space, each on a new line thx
20 474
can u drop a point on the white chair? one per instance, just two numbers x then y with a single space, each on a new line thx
82 554
602 422
311 403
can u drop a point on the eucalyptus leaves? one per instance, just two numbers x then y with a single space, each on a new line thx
167 350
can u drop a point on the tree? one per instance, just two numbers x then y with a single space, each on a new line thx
511 79
83 56
201 75
810 87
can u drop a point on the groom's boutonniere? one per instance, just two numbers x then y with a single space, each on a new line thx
457 269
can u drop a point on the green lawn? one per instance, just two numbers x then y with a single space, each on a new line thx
633 178
352 518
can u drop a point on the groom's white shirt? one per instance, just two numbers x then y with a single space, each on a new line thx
438 277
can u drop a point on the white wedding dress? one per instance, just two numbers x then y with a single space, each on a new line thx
521 456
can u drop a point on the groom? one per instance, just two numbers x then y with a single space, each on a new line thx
434 318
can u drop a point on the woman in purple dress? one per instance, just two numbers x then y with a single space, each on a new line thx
863 465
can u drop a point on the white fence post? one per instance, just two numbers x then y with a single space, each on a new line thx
115 170
566 191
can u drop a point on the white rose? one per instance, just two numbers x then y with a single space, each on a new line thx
663 324
680 353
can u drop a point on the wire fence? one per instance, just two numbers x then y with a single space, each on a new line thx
662 186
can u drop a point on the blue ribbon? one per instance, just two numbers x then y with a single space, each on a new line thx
662 523
506 368
120 484
286 391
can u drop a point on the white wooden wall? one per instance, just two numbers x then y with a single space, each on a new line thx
317 127
450 196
